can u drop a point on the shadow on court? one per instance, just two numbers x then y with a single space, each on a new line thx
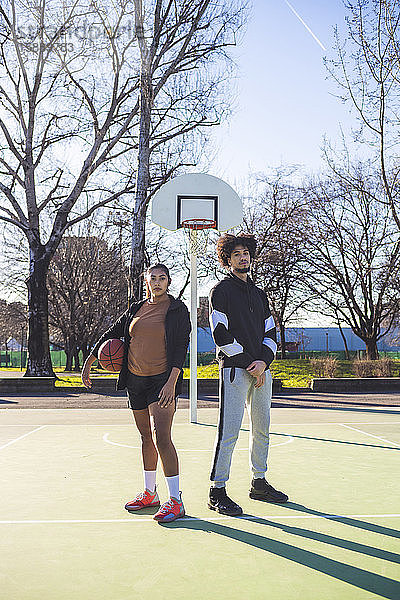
316 406
371 582
150 511
318 439
381 530
333 400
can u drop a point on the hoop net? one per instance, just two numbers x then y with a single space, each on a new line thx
196 233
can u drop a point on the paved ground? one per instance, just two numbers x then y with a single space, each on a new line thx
18 373
64 533
286 399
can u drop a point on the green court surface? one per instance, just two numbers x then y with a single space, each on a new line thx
65 534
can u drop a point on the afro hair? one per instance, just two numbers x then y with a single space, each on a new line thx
227 242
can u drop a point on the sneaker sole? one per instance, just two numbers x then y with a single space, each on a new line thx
225 512
133 509
254 496
170 520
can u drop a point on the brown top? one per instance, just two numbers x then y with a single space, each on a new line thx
147 353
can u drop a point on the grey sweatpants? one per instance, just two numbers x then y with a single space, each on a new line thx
236 388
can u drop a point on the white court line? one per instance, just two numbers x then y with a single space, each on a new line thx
22 436
371 435
201 518
105 439
176 424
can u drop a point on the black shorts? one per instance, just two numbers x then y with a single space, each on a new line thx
144 390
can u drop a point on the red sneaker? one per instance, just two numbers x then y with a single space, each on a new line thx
170 510
145 499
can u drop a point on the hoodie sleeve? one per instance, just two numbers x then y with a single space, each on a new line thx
182 338
116 331
220 329
269 342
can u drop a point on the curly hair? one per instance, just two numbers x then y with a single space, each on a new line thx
227 242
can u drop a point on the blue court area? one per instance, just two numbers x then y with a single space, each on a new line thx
68 473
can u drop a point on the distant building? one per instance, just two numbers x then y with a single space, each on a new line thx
329 338
13 345
307 339
300 339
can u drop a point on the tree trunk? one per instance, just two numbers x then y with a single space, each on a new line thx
39 360
86 350
372 349
68 364
282 331
346 348
68 354
137 258
77 367
142 185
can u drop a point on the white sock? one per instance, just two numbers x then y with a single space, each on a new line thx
173 486
150 480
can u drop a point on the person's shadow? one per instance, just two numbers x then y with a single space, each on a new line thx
377 584
380 529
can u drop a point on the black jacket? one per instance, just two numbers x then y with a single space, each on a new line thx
177 330
241 323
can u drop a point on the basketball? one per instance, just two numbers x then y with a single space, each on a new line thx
111 355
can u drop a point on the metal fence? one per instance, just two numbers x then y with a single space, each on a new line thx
13 358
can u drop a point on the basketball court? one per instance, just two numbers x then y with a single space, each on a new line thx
68 473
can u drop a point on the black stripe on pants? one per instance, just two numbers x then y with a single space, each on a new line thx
221 421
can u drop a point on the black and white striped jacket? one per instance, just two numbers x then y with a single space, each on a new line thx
242 326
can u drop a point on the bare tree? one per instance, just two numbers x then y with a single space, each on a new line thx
367 71
353 255
87 283
74 114
163 246
278 218
180 44
67 113
12 320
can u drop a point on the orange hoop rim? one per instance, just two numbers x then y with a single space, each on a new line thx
198 224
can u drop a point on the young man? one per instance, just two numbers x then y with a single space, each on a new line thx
244 332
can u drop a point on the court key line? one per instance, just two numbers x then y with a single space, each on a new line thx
105 439
202 518
22 436
371 435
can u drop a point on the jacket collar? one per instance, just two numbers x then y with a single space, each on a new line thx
240 282
174 303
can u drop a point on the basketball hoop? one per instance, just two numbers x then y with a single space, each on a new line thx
198 224
195 204
197 233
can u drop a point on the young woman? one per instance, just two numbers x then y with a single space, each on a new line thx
155 332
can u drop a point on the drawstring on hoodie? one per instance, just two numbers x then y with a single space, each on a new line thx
247 283
249 297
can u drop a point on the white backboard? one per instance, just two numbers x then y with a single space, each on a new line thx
196 195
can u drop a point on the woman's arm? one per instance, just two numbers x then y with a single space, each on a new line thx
116 330
167 392
85 376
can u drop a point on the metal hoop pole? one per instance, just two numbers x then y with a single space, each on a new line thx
193 334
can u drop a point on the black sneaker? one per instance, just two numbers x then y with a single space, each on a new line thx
262 490
219 501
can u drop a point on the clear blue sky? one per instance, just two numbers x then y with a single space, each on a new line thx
285 101
285 104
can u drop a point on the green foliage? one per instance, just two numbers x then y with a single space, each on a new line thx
205 372
293 373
